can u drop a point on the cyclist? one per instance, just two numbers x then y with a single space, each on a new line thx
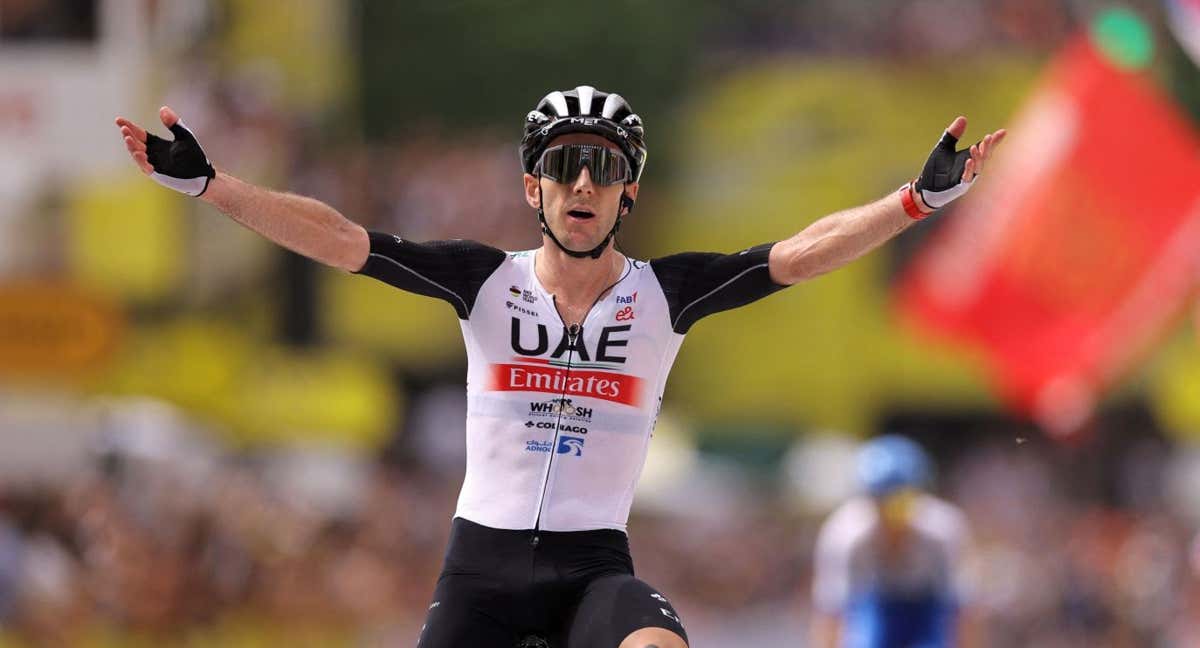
568 348
889 567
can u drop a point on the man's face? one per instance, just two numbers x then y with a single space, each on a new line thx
580 213
895 516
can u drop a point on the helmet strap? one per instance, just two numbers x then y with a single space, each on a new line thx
594 253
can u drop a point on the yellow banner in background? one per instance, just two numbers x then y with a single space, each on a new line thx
259 392
304 43
125 238
768 151
1175 387
420 332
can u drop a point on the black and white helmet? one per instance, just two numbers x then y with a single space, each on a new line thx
584 110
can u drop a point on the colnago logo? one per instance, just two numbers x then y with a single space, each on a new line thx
538 375
562 427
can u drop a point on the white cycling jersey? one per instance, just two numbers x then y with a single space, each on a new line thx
559 421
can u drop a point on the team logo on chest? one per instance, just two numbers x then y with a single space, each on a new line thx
574 368
625 314
525 294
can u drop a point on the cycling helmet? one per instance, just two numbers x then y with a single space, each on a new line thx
891 462
584 110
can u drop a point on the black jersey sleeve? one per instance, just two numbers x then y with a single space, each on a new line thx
702 283
449 270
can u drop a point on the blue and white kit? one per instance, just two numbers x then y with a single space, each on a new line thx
910 596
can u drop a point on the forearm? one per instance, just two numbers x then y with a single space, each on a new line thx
303 225
838 239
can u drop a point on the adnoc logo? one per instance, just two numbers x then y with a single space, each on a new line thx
570 445
533 445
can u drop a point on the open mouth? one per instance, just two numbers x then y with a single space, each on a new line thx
582 213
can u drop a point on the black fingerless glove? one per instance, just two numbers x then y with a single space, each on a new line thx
180 164
940 181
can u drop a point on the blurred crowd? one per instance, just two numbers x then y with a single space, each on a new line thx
155 546
131 550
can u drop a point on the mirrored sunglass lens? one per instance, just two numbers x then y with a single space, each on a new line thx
552 164
607 166
564 163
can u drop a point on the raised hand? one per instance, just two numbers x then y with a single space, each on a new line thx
948 173
180 164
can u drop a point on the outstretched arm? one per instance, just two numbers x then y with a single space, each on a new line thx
842 237
303 225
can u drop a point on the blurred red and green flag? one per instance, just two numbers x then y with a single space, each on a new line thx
1080 248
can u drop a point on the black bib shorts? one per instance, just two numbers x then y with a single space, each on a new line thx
575 589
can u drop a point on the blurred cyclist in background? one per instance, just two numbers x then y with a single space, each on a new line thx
569 347
889 567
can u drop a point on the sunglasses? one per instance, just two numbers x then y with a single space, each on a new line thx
564 163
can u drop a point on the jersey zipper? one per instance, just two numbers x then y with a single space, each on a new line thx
573 331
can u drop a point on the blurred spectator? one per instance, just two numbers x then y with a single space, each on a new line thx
891 564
